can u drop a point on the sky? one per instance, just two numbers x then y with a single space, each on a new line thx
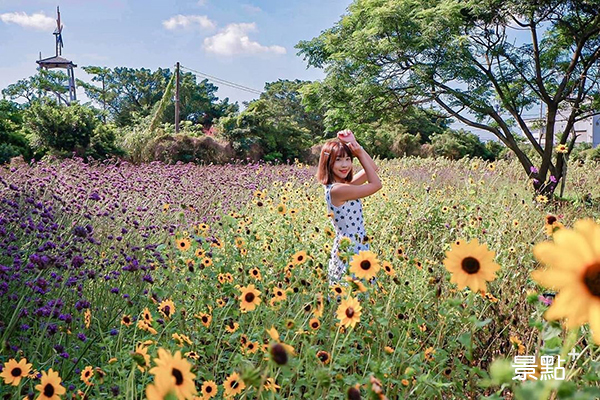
248 43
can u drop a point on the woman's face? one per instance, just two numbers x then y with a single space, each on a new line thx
342 166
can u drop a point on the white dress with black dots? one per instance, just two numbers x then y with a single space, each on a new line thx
348 221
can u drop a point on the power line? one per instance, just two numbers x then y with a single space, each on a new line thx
223 81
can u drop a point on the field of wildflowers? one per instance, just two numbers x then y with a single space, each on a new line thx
197 282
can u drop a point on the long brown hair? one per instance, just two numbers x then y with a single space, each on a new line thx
329 152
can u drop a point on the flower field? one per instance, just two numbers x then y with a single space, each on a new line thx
196 282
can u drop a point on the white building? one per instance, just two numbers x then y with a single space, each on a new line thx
587 130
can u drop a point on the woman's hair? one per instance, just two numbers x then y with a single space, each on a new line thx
329 152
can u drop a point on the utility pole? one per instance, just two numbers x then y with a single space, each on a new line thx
177 99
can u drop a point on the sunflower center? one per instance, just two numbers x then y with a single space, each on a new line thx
323 357
470 265
208 389
315 324
551 219
365 265
178 376
204 319
48 390
300 258
16 372
249 297
592 279
349 312
234 384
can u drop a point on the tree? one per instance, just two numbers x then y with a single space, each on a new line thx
277 121
129 93
12 142
460 55
38 86
63 130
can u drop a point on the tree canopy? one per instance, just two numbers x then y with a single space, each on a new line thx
463 57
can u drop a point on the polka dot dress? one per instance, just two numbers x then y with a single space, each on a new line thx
347 221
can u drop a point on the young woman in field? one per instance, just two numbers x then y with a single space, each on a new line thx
343 191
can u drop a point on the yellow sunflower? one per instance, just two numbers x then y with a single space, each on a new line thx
471 264
183 244
314 323
573 261
177 371
167 308
299 258
14 371
249 298
126 320
209 390
348 312
141 357
364 264
87 374
323 356
233 385
281 208
255 273
562 148
204 318
50 387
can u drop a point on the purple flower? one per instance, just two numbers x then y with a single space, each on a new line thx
552 179
545 300
533 170
81 337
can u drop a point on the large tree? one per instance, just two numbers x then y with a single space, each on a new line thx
129 92
463 56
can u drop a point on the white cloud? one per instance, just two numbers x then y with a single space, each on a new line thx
249 8
36 21
189 21
233 39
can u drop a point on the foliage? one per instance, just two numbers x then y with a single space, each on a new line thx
12 142
460 56
37 86
276 122
459 144
128 93
66 130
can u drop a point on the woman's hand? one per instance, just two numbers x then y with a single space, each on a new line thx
355 148
346 136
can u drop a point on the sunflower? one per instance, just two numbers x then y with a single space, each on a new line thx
299 257
209 390
141 357
175 369
87 374
249 298
348 312
231 326
281 208
126 320
50 387
271 386
338 290
255 273
328 232
471 265
314 324
199 252
183 244
87 315
204 318
364 264
207 261
279 294
167 308
239 242
324 357
233 385
399 252
14 371
541 199
573 261
147 316
388 268
251 347
562 148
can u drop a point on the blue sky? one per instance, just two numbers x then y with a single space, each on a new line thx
246 42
